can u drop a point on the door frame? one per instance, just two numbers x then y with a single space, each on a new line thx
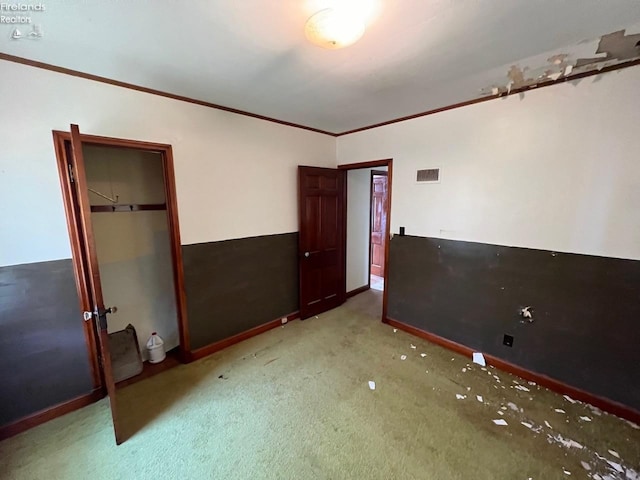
386 162
61 142
380 173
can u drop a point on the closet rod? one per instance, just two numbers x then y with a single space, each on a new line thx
128 208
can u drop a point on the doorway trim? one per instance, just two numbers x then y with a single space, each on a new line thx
386 162
61 141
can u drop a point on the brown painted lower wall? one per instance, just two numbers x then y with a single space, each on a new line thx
38 418
240 337
233 286
43 354
235 289
586 309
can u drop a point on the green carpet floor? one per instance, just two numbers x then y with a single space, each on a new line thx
295 403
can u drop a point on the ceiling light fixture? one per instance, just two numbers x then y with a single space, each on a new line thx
334 28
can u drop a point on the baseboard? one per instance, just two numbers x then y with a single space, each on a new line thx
602 403
227 342
44 416
358 290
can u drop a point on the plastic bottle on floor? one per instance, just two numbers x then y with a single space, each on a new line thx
155 347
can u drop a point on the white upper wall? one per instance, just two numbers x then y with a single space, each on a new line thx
557 168
235 175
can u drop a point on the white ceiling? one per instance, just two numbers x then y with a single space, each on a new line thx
252 55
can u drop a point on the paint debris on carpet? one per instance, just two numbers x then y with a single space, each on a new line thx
596 466
479 359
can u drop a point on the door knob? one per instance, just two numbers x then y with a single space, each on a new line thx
101 316
306 254
100 313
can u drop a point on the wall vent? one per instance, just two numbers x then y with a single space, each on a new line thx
428 175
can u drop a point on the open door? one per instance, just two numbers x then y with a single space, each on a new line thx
378 221
321 197
90 259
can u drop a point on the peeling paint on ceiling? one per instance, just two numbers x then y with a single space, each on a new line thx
613 48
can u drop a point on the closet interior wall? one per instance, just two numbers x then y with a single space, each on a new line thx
133 243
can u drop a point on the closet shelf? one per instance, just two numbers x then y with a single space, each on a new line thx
128 208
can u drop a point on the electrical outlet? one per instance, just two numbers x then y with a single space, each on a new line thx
508 340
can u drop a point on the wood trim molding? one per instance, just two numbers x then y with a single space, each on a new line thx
44 416
152 91
176 252
385 162
239 337
358 290
515 91
562 388
72 216
115 142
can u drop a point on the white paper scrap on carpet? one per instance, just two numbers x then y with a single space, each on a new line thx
479 359
616 466
500 421
372 385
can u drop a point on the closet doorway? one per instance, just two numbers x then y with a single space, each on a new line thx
122 218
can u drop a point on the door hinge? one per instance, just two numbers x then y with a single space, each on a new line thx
71 176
